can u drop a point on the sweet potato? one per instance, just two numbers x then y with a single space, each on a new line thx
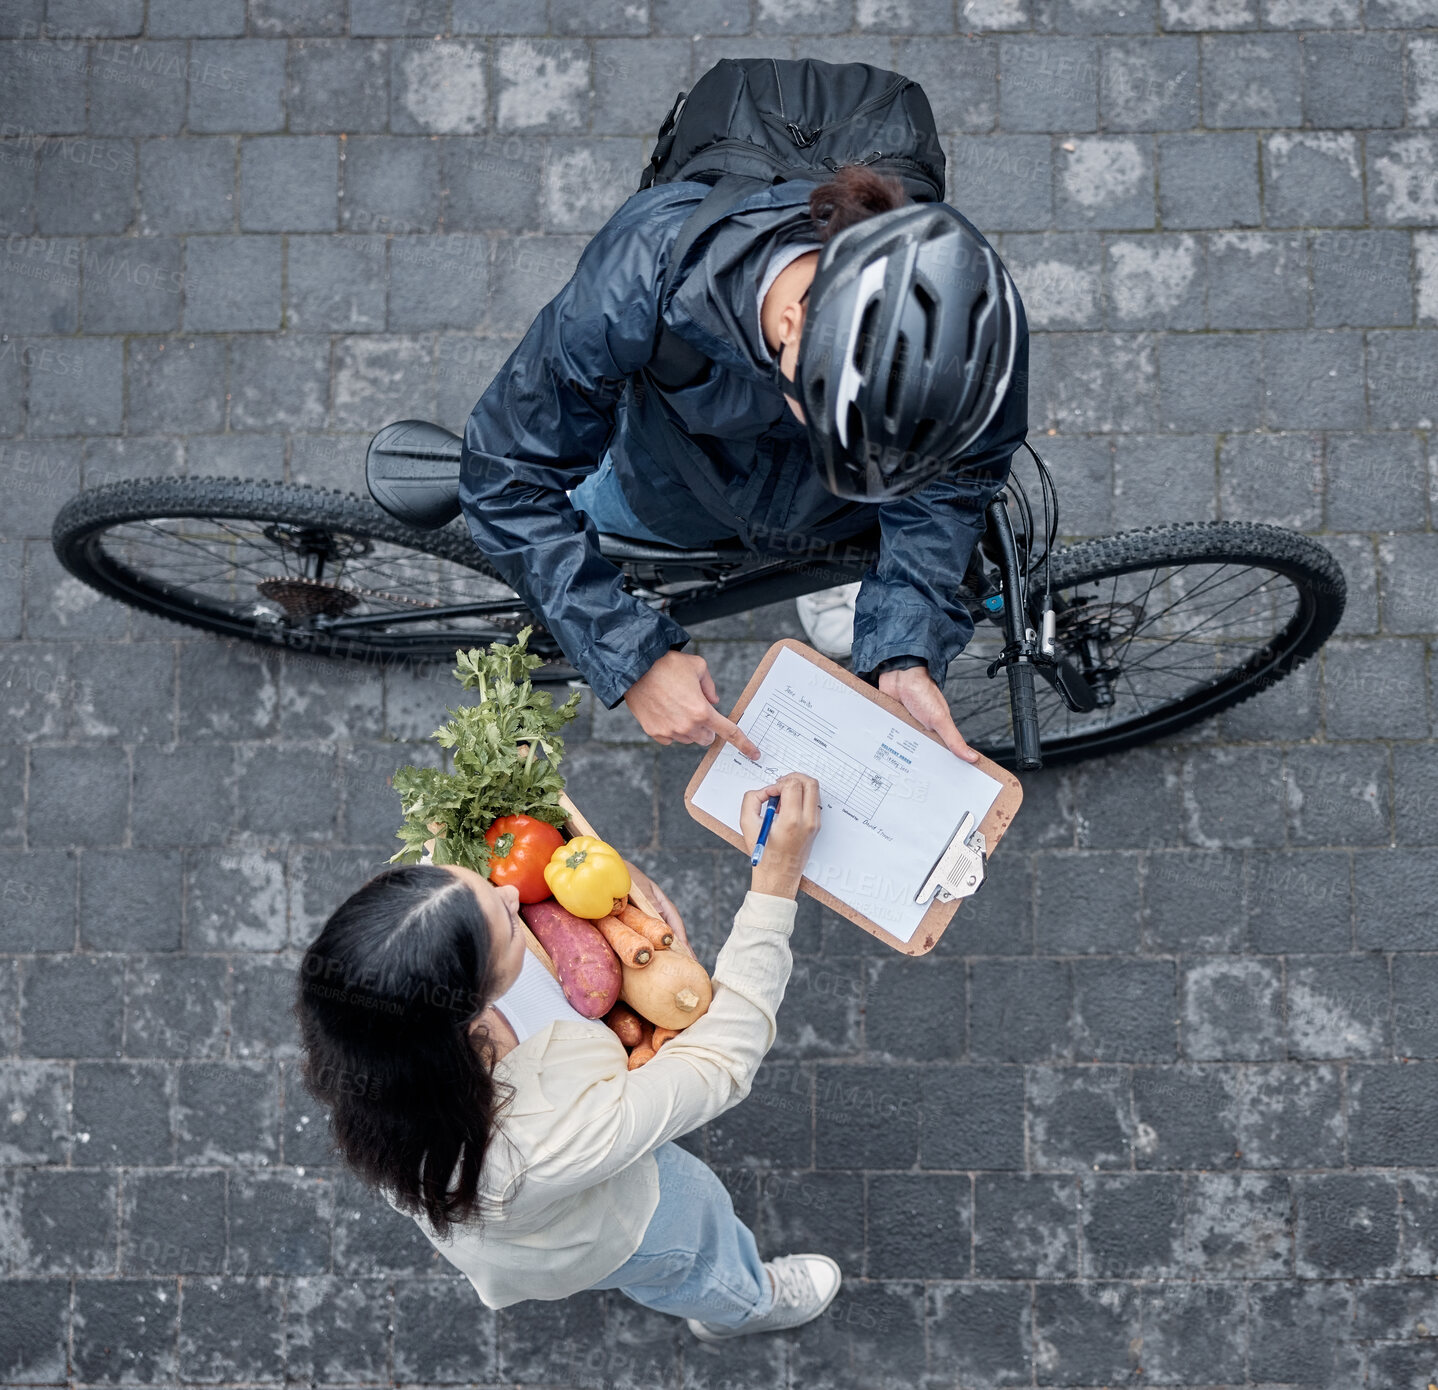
662 1036
653 929
627 1025
645 1050
589 971
627 943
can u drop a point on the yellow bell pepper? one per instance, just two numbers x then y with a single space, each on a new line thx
586 875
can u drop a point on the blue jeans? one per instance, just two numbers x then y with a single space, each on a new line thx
599 497
697 1259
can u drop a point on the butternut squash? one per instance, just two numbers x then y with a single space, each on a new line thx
670 992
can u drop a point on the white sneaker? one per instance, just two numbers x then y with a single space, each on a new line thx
828 619
804 1285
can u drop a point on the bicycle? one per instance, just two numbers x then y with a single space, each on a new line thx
1106 644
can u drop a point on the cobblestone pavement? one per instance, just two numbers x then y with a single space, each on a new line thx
1159 1110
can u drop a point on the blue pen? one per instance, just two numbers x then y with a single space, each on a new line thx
770 807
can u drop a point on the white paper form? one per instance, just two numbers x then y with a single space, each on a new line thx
891 798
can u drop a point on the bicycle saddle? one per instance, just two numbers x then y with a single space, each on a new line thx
412 471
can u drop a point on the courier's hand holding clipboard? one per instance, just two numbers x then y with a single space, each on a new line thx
906 825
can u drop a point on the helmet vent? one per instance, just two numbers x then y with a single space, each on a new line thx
864 338
856 427
931 319
920 437
896 374
977 312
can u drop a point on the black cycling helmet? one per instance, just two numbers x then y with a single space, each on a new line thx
907 351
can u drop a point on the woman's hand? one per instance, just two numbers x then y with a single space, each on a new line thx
660 899
796 822
914 688
674 702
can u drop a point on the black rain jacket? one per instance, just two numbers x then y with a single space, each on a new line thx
722 458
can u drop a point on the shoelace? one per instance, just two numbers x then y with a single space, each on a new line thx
792 1285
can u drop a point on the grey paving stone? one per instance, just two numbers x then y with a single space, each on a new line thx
1290 1116
438 281
1418 1221
187 185
586 181
1058 278
174 1223
1093 1328
1048 84
1299 901
39 692
337 84
391 185
1313 380
232 283
1337 1006
131 286
1273 478
235 455
85 187
38 891
778 1129
69 17
138 88
1408 582
125 1329
122 1113
236 85
66 1222
1346 1224
525 274
1208 180
298 16
230 1325
1093 383
1312 179
335 282
1025 1226
890 994
1310 14
984 15
71 1006
1257 280
491 181
541 84
1134 803
380 378
37 1118
208 19
1363 676
1389 888
371 1239
1149 84
1019 1010
38 1331
75 388
289 184
980 1330
1194 1331
1415 807
972 1117
176 385
40 287
279 1224
1097 16
80 794
1160 479
1402 190
864 1116
1186 1117
45 81
130 900
1251 80
1193 901
959 75
438 1335
501 17
1361 278
1291 1331
1087 902
1352 80
1002 182
1105 182
175 1006
420 17
919 1221
1231 1010
1154 282
279 382
1238 1224
227 1112
1337 795
438 86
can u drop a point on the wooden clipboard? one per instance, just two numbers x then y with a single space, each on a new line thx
995 823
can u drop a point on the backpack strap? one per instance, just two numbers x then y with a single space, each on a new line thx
674 362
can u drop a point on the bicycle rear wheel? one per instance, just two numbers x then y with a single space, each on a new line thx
1169 625
291 566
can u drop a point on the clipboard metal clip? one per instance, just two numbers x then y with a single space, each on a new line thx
959 870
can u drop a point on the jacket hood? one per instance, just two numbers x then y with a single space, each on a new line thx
714 298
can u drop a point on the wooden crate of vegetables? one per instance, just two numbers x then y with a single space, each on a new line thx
503 812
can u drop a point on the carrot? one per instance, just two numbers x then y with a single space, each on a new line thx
645 1050
662 1036
629 946
627 1024
652 929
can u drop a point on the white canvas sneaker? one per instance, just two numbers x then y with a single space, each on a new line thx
828 619
804 1285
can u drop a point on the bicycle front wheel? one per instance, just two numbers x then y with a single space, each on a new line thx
320 571
1168 625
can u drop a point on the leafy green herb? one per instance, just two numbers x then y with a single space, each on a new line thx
491 777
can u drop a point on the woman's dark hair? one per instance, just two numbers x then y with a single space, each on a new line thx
854 193
386 993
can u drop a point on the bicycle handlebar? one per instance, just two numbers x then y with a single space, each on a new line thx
1027 757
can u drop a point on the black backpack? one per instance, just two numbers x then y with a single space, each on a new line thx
751 122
